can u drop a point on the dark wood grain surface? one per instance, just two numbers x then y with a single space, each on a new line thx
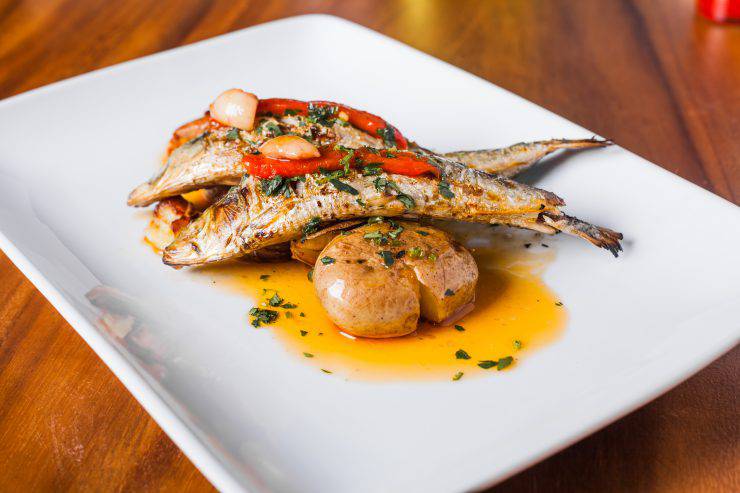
649 74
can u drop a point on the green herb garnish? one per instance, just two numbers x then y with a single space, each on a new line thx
264 277
416 252
444 190
311 226
304 333
517 344
372 169
262 316
308 355
388 136
449 292
275 300
487 364
406 200
272 186
459 328
504 362
327 260
387 257
323 115
344 187
232 134
461 354
422 233
457 376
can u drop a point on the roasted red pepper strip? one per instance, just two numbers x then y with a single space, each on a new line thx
363 120
400 162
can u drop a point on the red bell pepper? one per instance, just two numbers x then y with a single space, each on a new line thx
367 122
331 159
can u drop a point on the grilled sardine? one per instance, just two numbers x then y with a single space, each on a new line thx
247 218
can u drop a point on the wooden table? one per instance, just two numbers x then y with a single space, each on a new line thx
649 74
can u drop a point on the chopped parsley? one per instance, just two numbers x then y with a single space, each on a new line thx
433 257
558 303
517 344
360 202
449 292
289 306
308 355
270 128
444 190
387 257
344 187
421 233
264 277
232 134
310 275
277 185
499 364
416 252
304 333
323 115
372 169
262 316
406 200
373 235
290 112
325 370
327 260
380 184
311 226
345 161
388 136
457 376
459 328
396 232
461 354
275 300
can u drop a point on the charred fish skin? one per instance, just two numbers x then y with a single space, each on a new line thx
246 219
512 160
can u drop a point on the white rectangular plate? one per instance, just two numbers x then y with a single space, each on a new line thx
252 417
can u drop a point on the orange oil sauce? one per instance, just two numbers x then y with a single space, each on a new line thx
512 304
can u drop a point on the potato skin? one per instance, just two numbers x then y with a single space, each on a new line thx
431 276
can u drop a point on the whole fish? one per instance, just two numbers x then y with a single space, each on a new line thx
202 156
259 213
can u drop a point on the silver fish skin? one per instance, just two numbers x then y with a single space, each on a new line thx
246 220
215 156
512 160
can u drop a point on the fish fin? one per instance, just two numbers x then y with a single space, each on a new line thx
601 237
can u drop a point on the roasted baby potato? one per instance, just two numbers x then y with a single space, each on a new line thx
378 279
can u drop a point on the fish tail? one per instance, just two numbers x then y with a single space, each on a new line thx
579 143
601 237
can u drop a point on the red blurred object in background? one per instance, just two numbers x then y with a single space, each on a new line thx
720 10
